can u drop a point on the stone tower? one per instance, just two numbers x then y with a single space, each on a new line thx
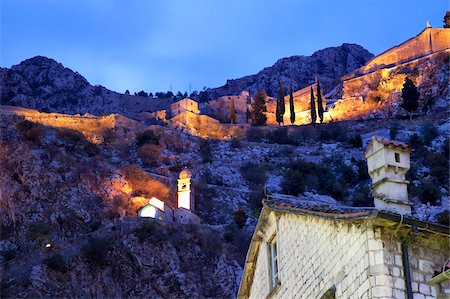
185 198
387 162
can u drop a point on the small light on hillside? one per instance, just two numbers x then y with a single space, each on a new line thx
48 245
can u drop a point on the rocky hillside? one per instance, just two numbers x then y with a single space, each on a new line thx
330 64
42 83
68 223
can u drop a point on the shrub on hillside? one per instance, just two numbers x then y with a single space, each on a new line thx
338 191
95 251
206 151
438 165
361 196
9 254
293 182
253 173
428 191
235 143
355 141
211 244
303 133
280 136
393 131
240 217
333 132
75 142
205 202
428 132
31 133
146 137
149 231
254 134
40 230
150 154
56 262
363 172
255 198
443 217
302 175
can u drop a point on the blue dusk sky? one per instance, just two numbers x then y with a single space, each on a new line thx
153 45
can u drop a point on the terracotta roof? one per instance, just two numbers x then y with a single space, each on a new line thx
323 209
395 143
338 211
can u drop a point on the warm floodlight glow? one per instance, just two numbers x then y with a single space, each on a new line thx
184 200
148 212
157 203
48 245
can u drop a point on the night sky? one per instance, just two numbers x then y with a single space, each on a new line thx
153 45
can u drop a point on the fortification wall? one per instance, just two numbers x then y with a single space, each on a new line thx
207 127
430 40
221 108
90 126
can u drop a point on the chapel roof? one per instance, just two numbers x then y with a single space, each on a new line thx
338 211
394 143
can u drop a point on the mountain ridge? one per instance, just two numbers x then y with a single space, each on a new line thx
299 70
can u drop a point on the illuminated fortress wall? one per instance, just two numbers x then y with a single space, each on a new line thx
430 40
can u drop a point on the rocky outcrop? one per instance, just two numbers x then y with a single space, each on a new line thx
300 71
42 83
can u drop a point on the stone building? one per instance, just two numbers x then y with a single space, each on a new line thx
185 104
182 213
313 249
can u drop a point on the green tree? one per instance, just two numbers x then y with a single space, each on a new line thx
232 112
319 102
281 108
447 19
313 108
410 97
291 105
240 217
259 108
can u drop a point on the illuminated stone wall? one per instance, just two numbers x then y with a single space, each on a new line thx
221 108
357 259
430 40
207 127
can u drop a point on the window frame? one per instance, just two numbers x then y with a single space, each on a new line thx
273 257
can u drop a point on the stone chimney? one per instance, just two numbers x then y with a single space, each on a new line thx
387 162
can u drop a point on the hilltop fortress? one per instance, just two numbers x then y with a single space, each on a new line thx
375 87
373 90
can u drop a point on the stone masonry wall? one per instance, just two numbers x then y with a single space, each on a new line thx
358 260
423 260
429 41
316 254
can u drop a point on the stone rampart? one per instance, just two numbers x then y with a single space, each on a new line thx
430 40
207 127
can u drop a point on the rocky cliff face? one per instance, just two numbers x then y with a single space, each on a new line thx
330 64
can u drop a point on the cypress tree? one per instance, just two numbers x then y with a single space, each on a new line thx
410 97
313 109
259 108
277 111
291 105
282 103
232 112
319 102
